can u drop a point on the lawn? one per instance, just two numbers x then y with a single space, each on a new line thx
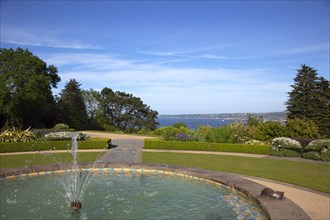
13 161
311 175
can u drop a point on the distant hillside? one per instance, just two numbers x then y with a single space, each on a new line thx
269 116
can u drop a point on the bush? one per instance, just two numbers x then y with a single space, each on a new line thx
201 146
317 145
313 155
224 134
283 152
254 142
242 132
287 143
15 136
51 145
63 136
269 130
61 127
301 128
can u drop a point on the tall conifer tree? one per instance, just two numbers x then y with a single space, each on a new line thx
310 99
73 109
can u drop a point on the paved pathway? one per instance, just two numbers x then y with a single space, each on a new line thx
124 151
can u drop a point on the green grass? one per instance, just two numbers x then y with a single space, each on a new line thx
311 175
13 161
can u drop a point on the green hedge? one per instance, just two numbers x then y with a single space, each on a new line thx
51 145
286 152
202 146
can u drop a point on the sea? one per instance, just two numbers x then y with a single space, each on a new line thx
193 123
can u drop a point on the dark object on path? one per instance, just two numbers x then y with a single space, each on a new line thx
75 205
268 192
109 143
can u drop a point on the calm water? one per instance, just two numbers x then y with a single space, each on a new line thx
193 123
124 197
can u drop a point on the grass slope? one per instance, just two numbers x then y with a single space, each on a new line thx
311 175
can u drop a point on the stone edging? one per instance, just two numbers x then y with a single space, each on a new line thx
274 209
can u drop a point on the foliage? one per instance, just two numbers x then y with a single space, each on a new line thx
312 175
316 149
269 130
203 130
51 145
224 134
313 155
301 128
72 106
63 136
283 152
15 135
91 100
25 90
309 98
180 125
126 112
287 143
254 142
61 127
201 146
242 132
318 145
254 121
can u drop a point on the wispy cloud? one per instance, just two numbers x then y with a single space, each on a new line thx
212 56
29 37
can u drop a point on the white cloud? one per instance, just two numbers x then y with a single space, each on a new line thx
29 37
168 89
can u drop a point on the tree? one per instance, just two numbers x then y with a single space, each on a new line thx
91 100
310 99
126 112
25 89
72 106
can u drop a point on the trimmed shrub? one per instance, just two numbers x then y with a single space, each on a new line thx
284 142
51 145
61 127
201 146
254 142
284 152
313 155
64 136
317 145
325 154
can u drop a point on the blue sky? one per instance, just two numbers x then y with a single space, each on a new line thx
178 56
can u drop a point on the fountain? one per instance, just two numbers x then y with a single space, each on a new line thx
116 192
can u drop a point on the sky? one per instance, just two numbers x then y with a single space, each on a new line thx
179 57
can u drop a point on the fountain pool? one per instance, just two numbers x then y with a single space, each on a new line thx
124 193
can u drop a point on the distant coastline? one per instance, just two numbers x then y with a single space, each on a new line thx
268 116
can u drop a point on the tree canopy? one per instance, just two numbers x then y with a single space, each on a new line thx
310 99
26 99
72 106
25 89
126 112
